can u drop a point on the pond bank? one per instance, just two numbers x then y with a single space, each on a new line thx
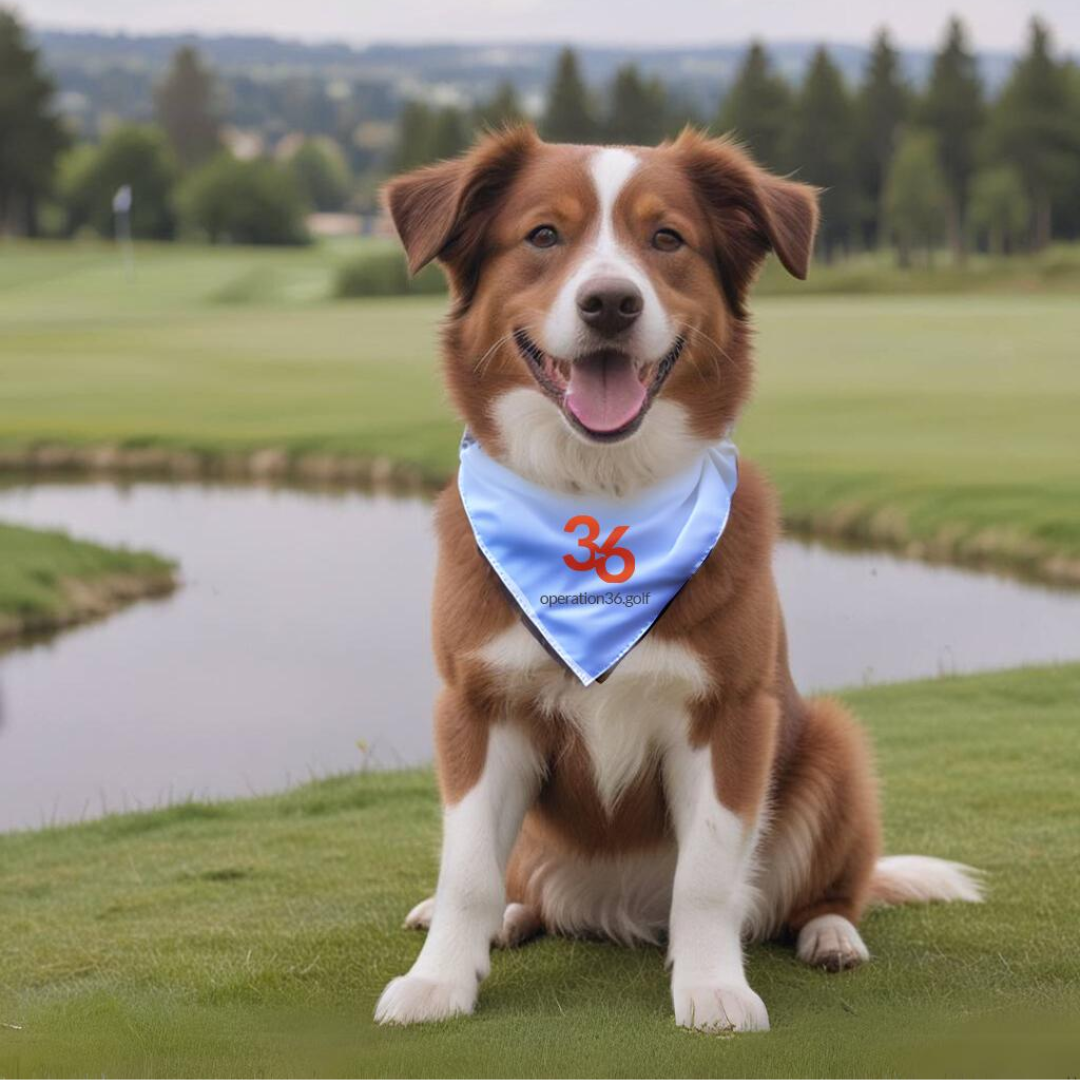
996 548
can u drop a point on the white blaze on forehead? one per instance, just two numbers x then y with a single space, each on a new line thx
610 169
564 333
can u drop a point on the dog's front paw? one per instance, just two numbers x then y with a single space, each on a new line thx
411 999
720 1008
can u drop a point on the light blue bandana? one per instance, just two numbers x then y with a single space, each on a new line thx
592 574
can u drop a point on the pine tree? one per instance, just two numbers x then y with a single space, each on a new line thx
1035 126
569 116
184 107
1000 210
502 109
31 135
639 113
821 147
883 105
450 133
756 108
953 109
916 195
414 138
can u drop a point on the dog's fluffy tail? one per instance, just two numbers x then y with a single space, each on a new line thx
920 879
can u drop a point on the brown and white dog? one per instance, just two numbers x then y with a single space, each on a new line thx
597 342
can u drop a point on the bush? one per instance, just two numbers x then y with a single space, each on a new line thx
384 273
321 174
242 202
134 154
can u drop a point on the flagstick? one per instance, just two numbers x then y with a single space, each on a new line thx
123 237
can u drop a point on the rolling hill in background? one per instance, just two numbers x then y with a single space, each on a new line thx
269 82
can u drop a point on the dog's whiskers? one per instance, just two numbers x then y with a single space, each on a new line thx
480 364
716 351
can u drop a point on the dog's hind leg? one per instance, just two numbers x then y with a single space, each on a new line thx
521 922
819 856
420 916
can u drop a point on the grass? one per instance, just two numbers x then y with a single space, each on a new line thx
945 424
379 270
48 580
253 937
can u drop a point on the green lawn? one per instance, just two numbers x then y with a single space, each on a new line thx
48 580
253 937
942 423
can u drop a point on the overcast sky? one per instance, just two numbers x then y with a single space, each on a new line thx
995 24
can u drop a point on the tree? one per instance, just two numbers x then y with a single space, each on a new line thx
426 135
883 105
31 135
1000 210
569 116
136 155
450 133
242 202
1035 126
414 137
638 113
502 109
916 195
184 106
321 174
820 145
953 110
757 107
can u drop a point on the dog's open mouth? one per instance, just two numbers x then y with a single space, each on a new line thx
605 394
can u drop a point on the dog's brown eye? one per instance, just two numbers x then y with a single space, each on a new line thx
667 240
543 236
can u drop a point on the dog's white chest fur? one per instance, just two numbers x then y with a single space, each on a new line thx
634 714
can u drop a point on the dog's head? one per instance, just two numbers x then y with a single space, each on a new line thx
598 332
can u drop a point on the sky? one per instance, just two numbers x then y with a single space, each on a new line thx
994 24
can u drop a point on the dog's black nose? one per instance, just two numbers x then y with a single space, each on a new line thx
609 304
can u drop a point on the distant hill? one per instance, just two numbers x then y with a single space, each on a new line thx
463 72
272 86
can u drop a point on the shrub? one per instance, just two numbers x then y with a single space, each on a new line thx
321 174
134 154
242 202
383 273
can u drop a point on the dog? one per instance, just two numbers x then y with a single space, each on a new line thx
692 795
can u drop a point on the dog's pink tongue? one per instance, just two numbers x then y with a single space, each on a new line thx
605 393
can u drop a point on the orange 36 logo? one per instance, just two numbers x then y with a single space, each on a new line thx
600 553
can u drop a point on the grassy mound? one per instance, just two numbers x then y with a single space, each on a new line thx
48 580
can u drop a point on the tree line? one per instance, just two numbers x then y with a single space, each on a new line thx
909 167
181 177
902 166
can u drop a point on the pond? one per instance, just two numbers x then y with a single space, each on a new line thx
298 643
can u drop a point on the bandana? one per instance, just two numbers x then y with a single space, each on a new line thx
592 574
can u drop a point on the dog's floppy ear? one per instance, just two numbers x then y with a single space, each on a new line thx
440 211
751 211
